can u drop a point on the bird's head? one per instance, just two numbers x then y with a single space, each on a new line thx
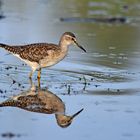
69 38
65 121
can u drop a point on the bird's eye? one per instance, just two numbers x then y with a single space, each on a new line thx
73 39
68 38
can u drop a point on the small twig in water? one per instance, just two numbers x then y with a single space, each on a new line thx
69 90
14 81
85 83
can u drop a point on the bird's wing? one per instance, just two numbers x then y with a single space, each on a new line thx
23 101
33 103
36 52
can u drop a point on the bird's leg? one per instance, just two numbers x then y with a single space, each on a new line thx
39 73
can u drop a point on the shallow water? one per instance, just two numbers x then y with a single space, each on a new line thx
104 81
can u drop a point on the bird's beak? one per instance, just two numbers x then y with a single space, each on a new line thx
74 115
79 46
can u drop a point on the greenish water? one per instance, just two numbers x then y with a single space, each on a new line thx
104 81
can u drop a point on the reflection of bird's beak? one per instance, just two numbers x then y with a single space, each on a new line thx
79 46
74 115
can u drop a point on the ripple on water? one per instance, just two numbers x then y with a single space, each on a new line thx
73 77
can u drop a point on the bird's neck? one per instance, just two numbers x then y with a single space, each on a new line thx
63 45
59 117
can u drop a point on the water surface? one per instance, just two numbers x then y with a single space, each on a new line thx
104 81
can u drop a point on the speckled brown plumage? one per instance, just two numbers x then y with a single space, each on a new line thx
34 103
40 55
37 52
32 52
11 49
41 101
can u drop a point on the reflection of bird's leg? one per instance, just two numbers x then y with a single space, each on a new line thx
33 88
30 75
38 83
30 81
32 71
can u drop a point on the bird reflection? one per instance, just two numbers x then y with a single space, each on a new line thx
42 101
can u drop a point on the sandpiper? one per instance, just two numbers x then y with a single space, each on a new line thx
40 55
41 101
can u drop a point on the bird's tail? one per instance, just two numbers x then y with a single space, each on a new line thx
11 49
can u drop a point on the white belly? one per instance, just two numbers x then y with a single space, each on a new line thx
33 65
